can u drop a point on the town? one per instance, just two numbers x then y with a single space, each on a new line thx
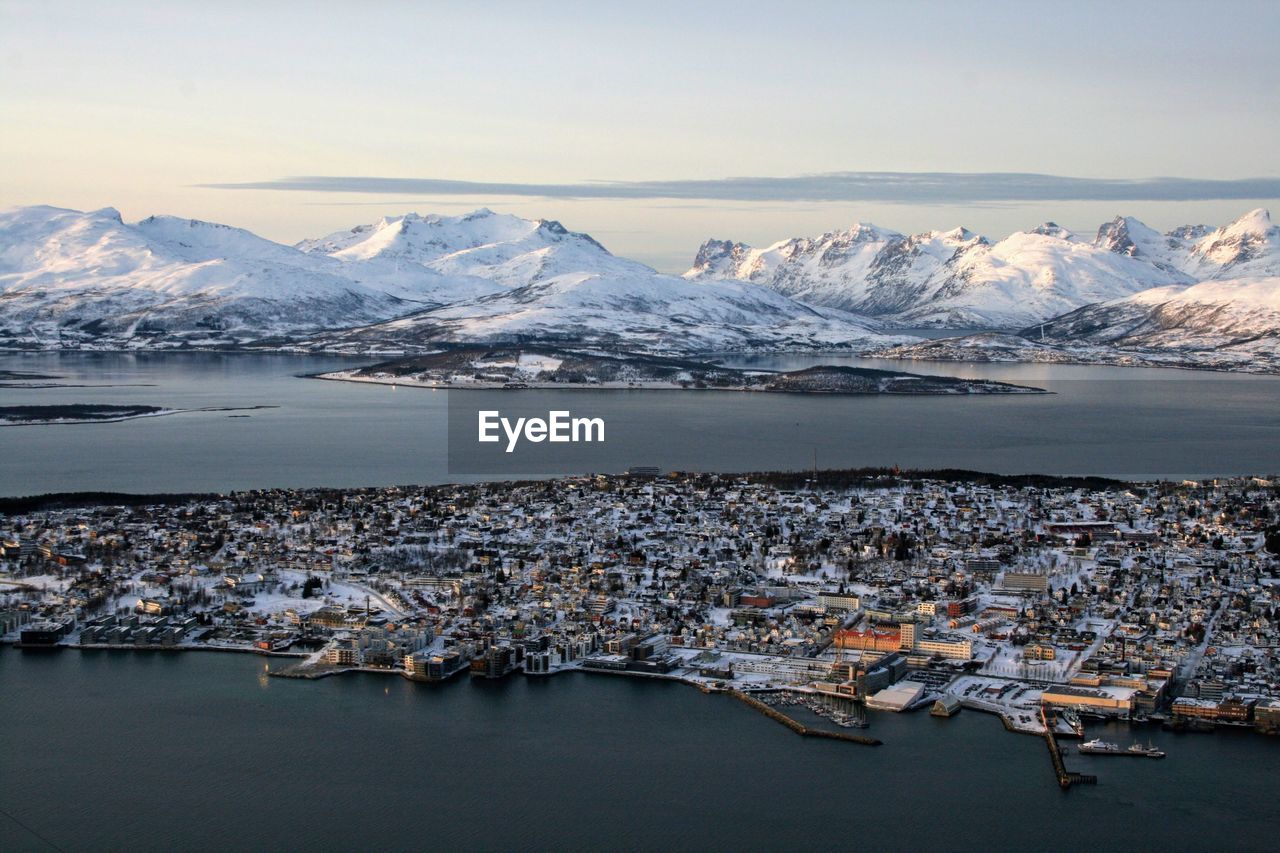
1045 602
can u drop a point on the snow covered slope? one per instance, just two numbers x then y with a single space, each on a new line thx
1228 325
72 278
958 279
648 311
1243 312
1249 246
499 247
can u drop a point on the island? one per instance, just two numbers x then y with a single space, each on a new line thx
99 413
76 413
525 366
23 375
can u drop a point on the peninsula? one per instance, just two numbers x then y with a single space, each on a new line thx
529 366
1046 601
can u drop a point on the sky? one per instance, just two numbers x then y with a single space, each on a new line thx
652 126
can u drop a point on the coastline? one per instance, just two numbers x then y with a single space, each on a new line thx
999 388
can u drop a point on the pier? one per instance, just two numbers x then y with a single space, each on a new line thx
797 726
1065 777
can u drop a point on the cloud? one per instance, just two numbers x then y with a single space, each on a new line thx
903 187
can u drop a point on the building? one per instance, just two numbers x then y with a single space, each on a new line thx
1026 581
1108 701
1040 651
869 640
152 607
897 697
1096 530
951 649
839 601
426 666
1227 711
794 670
1266 715
45 633
342 652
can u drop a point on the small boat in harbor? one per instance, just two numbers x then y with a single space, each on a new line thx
1147 751
1098 746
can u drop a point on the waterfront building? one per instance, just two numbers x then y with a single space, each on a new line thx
1107 701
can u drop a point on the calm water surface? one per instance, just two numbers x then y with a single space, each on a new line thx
1129 423
127 750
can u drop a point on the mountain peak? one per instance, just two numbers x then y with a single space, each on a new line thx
866 232
959 233
1250 244
1127 235
1256 221
717 258
1053 229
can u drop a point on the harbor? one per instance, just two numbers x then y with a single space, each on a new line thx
545 736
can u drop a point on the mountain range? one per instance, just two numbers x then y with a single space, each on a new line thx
1224 325
91 280
958 279
1196 294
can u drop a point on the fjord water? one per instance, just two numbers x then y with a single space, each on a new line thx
1120 422
165 751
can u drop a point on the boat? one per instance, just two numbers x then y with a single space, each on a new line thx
1147 751
1098 746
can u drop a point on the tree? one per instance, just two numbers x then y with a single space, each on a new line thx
1273 541
309 588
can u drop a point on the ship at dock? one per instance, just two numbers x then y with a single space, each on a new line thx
1098 746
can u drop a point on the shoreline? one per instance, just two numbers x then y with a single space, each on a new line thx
301 672
1004 388
1136 360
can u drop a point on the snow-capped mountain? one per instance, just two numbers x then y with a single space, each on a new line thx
1232 324
1249 246
498 247
72 279
1212 315
68 277
962 280
648 311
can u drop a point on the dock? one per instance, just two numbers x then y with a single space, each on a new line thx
1066 778
797 726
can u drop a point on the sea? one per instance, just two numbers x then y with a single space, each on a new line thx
1126 423
119 750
